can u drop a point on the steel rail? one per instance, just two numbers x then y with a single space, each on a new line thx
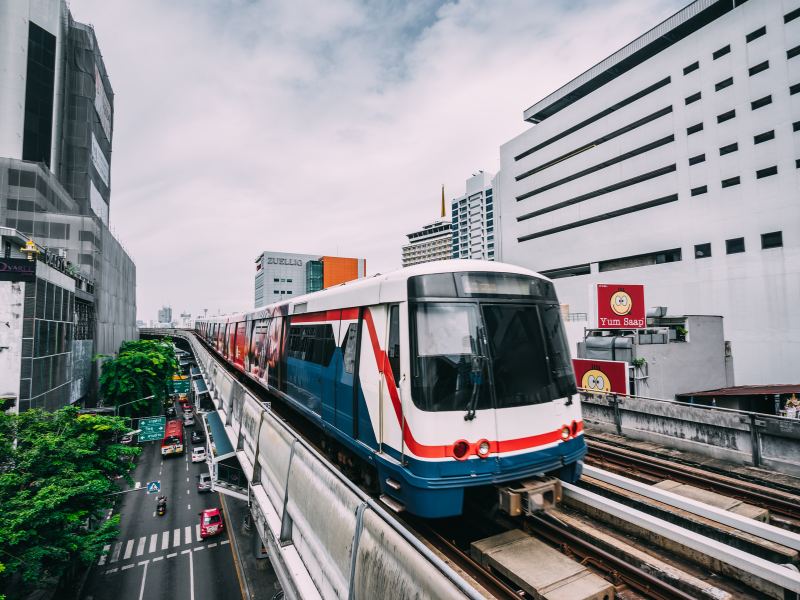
748 563
709 481
757 528
633 576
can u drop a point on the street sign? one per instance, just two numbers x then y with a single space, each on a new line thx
180 384
152 428
153 487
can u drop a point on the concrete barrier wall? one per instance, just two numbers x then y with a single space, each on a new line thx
737 436
325 537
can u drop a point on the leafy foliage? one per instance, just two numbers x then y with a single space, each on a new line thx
55 483
142 368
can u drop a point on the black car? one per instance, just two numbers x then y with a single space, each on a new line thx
171 412
198 437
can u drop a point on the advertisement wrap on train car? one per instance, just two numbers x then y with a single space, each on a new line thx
620 306
601 376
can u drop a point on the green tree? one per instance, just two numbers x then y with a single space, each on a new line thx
57 470
142 368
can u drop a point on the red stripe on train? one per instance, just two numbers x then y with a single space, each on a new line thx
429 451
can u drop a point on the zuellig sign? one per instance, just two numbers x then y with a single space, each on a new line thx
620 306
274 260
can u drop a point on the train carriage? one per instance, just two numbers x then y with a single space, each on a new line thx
440 376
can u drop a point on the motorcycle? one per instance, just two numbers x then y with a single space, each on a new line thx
161 507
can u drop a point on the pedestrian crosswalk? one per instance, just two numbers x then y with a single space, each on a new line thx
149 544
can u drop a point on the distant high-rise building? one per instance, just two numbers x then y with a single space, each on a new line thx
56 129
165 314
473 219
283 274
431 242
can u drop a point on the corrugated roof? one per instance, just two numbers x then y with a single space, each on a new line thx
750 390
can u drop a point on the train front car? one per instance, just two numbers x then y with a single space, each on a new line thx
490 395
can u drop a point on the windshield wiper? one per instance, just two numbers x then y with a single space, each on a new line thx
476 378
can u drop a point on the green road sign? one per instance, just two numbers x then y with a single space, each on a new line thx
152 428
180 386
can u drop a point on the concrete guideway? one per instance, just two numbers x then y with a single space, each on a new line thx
324 536
762 570
752 526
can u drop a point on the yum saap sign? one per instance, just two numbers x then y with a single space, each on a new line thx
620 306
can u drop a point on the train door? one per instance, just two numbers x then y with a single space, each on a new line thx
346 407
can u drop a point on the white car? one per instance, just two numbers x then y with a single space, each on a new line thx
198 454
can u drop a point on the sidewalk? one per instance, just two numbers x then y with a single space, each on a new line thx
260 580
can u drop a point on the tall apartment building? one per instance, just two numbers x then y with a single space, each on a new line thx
674 163
432 242
56 130
282 274
165 314
473 219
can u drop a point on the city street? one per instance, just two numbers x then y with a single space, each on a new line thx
163 556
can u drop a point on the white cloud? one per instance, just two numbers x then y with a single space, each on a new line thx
320 126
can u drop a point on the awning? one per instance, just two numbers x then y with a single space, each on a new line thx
200 387
221 447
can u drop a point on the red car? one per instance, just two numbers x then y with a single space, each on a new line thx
211 523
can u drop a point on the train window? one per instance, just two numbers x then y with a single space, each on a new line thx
394 342
349 348
526 367
449 370
311 343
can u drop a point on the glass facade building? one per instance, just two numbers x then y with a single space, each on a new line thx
473 219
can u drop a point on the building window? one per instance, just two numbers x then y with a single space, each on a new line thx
734 246
754 35
694 129
764 137
692 67
726 116
794 89
693 98
702 250
755 104
771 240
641 260
796 126
699 190
39 86
722 52
697 159
761 173
728 149
797 164
723 84
756 69
731 182
275 280
792 15
792 52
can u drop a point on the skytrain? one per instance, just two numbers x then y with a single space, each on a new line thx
428 380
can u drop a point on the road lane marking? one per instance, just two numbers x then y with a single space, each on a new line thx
140 547
191 576
197 532
172 555
187 480
165 540
176 538
189 507
187 537
212 545
144 576
144 562
127 567
187 492
128 550
153 543
115 555
196 548
157 558
104 556
223 542
114 570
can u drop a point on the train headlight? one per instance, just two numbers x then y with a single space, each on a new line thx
565 433
483 448
460 449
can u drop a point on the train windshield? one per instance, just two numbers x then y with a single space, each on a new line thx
464 349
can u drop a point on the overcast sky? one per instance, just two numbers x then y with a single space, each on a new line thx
323 126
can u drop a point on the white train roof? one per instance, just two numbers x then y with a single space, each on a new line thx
379 288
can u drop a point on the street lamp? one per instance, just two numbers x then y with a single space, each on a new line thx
117 407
